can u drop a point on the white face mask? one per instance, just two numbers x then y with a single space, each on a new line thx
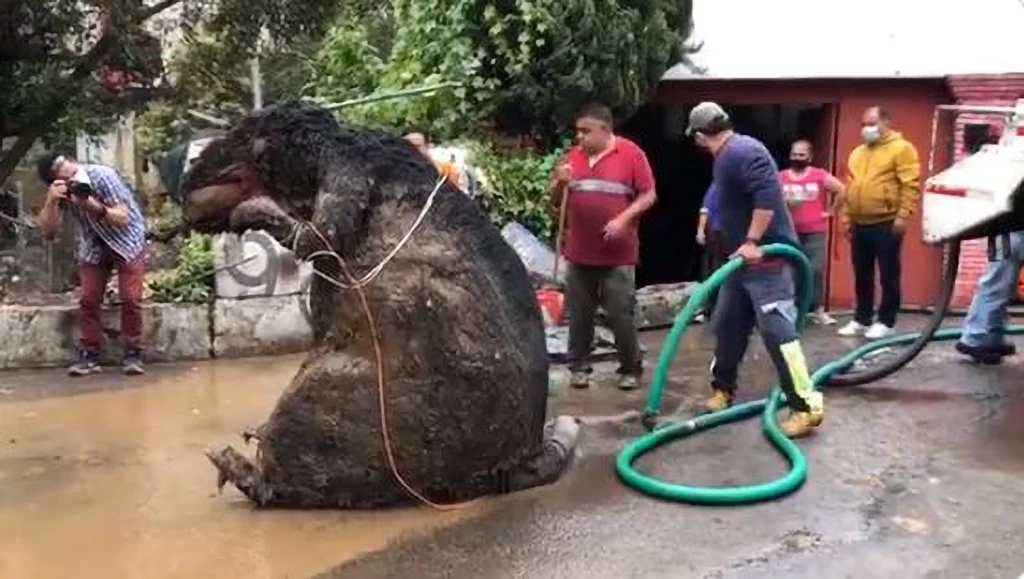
81 176
871 133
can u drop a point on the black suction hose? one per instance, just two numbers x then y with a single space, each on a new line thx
951 262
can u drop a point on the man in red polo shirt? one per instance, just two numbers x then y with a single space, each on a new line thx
608 184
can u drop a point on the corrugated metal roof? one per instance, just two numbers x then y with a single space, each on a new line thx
768 39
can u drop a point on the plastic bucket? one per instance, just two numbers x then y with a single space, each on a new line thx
550 301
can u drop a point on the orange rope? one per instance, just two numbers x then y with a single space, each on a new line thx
379 358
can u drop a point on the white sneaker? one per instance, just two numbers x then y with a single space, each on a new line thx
852 329
878 330
825 319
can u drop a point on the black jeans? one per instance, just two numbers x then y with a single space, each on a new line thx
870 244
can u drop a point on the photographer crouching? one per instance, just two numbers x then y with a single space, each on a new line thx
110 231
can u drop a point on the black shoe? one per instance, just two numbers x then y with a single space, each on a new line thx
1006 349
131 365
988 356
88 363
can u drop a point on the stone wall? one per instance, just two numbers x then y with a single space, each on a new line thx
45 336
261 308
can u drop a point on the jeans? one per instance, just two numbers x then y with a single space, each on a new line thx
93 280
870 244
983 326
763 297
614 289
813 246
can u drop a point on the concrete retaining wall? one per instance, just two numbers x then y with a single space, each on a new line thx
40 337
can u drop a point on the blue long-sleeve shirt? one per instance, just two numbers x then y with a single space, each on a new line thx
748 179
710 205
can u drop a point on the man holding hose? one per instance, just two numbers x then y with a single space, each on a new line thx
753 213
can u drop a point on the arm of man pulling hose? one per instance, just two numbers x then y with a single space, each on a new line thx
762 183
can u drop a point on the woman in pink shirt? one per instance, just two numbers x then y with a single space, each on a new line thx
808 190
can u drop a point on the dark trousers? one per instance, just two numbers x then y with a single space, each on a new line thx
815 248
713 258
761 297
871 244
93 280
614 289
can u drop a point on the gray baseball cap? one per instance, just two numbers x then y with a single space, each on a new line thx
704 115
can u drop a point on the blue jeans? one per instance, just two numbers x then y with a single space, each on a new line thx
983 326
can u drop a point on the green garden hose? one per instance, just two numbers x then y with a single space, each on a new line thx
768 408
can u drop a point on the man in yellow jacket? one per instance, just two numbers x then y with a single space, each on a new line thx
881 195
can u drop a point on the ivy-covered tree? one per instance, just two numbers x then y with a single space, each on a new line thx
71 65
525 66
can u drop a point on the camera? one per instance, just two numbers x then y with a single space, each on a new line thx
79 189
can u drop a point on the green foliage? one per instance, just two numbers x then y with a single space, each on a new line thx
525 67
517 190
72 67
347 65
192 280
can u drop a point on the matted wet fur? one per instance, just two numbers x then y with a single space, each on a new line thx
463 343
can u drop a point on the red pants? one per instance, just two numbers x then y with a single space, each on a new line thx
93 279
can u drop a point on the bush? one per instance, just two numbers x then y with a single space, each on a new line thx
192 280
517 188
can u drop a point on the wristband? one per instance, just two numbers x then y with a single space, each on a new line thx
752 240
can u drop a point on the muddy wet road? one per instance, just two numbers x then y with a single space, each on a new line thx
104 477
921 475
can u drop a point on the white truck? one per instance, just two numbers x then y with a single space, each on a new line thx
981 195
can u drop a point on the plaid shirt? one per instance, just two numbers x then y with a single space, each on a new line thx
92 237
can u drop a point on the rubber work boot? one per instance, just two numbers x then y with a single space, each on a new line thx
580 380
801 424
720 400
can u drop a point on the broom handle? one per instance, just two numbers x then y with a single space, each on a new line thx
560 231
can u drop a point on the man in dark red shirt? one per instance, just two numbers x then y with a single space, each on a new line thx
608 184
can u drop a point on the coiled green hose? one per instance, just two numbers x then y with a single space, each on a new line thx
768 408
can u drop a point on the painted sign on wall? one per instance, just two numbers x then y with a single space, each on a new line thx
256 265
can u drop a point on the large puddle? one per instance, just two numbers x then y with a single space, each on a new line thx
114 484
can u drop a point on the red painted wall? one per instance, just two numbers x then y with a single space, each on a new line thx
911 103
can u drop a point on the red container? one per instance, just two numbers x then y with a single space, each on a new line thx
550 301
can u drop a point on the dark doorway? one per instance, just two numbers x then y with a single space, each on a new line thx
668 250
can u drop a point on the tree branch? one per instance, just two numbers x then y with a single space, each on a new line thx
156 9
85 66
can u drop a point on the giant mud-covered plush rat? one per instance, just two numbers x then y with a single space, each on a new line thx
465 366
